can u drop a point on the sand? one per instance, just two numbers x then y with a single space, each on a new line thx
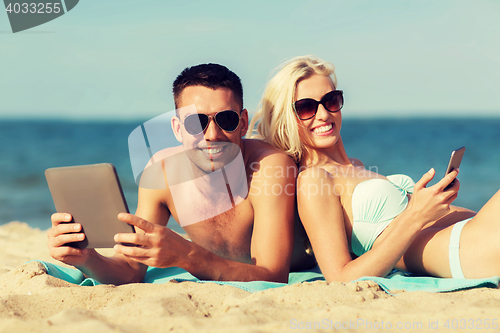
32 301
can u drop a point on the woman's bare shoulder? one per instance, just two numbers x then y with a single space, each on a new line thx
314 173
356 162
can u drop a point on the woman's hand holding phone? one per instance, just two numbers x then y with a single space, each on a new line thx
454 164
431 203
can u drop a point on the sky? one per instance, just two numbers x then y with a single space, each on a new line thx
117 59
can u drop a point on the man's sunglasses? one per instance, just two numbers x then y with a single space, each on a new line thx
197 123
307 108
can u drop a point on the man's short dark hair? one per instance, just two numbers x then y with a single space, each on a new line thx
212 76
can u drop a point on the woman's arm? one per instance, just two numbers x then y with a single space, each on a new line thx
322 213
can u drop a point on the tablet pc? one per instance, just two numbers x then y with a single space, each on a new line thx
93 196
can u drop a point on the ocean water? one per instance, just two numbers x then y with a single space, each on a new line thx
409 146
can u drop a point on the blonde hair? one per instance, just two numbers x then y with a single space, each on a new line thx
277 122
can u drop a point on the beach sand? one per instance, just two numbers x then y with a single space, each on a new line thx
32 301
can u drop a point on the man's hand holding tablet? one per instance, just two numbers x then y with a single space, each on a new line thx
88 199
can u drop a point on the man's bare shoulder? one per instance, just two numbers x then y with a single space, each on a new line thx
257 151
162 169
268 166
167 152
172 163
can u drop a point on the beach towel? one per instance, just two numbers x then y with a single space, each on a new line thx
397 280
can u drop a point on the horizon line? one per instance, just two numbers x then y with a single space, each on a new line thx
344 118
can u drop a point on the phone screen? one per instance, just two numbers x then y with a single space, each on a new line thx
454 163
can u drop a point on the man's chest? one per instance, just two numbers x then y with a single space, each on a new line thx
228 234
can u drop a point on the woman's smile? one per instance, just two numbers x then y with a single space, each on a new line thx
324 129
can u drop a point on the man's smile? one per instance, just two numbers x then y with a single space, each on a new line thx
213 151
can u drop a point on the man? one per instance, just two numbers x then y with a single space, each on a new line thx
251 239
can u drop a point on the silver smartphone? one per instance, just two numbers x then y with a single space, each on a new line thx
454 163
92 194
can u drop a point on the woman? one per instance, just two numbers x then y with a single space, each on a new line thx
386 222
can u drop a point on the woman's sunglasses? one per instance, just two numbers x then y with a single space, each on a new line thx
197 123
307 108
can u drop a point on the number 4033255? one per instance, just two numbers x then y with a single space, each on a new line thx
471 324
34 8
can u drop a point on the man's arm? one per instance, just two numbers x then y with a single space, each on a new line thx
272 195
274 214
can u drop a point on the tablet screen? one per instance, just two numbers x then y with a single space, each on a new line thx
93 196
